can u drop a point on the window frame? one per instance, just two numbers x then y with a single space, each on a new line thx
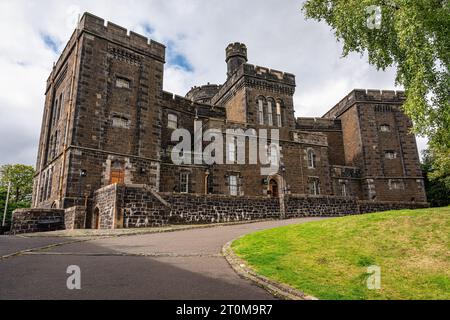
233 188
123 80
184 185
261 111
173 121
312 159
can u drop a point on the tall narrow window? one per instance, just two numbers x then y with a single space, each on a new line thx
172 121
55 110
279 122
233 185
232 151
311 159
343 190
274 156
314 187
270 113
261 111
184 182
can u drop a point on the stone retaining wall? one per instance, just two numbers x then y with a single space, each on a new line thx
138 207
37 220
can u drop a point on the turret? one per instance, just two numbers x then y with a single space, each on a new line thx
236 56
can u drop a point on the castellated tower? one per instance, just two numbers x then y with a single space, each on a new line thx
236 56
101 122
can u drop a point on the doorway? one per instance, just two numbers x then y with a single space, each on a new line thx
273 188
117 173
93 220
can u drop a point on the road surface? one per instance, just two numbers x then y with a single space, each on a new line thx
175 265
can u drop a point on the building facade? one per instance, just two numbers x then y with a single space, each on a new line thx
107 121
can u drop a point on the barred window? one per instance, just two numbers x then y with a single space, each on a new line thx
314 187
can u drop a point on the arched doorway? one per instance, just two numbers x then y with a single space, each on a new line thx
274 189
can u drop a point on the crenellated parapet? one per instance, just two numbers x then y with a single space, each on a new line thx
318 124
112 32
98 27
203 94
366 96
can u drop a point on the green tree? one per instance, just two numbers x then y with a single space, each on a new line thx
21 178
414 37
437 185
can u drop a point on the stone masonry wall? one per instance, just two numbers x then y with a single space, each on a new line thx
75 218
195 209
37 220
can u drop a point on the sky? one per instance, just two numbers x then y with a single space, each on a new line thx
196 33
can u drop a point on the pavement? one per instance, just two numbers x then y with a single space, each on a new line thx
181 265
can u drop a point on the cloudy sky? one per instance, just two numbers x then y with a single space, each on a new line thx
195 32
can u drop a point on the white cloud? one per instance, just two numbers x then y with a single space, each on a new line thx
276 34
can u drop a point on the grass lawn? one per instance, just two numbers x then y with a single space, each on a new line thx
328 259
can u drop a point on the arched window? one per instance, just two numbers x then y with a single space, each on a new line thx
311 159
314 186
261 111
279 117
270 105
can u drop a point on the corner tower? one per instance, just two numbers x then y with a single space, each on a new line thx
236 56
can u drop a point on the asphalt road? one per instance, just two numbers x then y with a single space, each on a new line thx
176 265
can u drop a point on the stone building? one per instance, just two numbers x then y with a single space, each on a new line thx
106 142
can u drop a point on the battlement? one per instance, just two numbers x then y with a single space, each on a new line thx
318 124
269 74
116 33
173 101
236 49
203 94
366 96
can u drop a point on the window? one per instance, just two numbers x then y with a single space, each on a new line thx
396 185
279 122
311 159
314 187
172 121
274 156
343 190
233 185
385 128
261 111
270 113
390 155
232 151
120 122
184 182
122 83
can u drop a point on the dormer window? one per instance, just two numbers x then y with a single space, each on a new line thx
123 83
